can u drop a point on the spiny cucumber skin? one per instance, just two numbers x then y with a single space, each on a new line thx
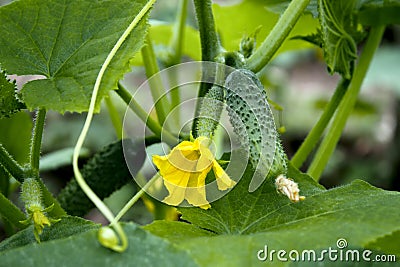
210 111
105 173
253 123
31 194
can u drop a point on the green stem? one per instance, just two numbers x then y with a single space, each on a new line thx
48 200
4 181
114 116
316 132
175 57
175 97
156 86
8 227
347 104
135 198
210 46
178 33
36 141
274 40
11 165
139 111
9 211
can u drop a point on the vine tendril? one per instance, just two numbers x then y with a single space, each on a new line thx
123 241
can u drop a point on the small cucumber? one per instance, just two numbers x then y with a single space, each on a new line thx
253 123
31 195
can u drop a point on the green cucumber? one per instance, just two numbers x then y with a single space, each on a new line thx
253 123
31 195
105 173
210 112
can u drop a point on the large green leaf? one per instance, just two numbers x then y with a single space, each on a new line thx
242 223
241 212
67 42
84 249
68 226
234 22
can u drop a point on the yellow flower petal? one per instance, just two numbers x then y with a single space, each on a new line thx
196 190
223 180
176 194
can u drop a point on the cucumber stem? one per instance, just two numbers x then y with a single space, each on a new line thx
346 105
155 83
274 40
7 161
36 141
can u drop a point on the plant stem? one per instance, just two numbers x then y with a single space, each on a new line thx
9 211
36 141
347 104
274 40
210 46
135 198
4 181
316 132
11 165
175 57
175 98
178 33
139 111
156 86
48 200
114 116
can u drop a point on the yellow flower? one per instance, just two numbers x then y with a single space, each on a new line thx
184 172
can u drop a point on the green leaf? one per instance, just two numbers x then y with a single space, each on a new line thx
68 226
9 211
338 25
9 103
241 212
236 21
144 249
176 231
388 243
241 223
67 42
379 12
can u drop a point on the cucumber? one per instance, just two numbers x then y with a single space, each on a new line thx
253 123
105 173
210 112
31 195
